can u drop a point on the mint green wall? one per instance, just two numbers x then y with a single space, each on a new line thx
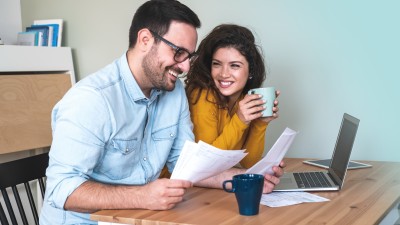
326 57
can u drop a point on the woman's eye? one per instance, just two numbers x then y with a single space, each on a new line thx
214 64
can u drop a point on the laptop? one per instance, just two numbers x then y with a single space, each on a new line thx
332 179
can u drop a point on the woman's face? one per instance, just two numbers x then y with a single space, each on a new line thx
230 71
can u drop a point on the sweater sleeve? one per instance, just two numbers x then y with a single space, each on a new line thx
254 143
206 121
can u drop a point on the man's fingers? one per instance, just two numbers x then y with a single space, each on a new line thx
178 183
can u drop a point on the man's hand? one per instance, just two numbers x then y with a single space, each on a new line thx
269 180
163 194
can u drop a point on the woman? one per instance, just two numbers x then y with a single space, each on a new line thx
229 65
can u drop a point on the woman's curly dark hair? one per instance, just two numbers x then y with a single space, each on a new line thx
222 36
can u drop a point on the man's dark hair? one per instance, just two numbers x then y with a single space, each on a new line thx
157 15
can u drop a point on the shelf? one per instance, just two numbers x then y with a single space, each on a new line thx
32 80
34 59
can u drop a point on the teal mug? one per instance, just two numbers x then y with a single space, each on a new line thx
268 95
248 190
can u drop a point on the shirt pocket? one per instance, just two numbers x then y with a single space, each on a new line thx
120 158
165 134
164 138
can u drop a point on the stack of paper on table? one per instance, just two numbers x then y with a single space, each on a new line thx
278 199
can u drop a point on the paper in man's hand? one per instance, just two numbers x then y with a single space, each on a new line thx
200 161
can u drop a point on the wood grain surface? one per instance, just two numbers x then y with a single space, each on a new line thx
26 102
367 196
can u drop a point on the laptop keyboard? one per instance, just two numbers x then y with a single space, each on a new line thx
311 179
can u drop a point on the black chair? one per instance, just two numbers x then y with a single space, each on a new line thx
21 172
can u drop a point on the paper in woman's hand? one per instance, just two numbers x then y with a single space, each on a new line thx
275 155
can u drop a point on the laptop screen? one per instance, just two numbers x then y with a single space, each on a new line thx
343 147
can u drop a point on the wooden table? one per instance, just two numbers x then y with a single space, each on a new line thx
367 196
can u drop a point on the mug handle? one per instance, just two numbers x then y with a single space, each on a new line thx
225 188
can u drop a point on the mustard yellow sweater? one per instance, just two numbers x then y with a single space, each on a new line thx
216 126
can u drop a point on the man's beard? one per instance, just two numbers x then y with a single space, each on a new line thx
157 78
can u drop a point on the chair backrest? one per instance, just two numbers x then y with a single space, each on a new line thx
17 172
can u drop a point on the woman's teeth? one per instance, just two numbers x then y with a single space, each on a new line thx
225 83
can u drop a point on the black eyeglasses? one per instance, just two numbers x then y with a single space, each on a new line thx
181 54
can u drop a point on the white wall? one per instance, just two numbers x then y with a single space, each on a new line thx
326 57
10 20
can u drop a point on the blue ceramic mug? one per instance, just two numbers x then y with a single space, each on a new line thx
248 189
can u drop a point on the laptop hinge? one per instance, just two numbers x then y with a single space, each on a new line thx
333 179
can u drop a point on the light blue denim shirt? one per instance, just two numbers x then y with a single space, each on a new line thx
106 130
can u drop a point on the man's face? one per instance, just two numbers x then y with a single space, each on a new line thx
159 65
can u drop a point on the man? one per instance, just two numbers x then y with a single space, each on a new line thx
115 130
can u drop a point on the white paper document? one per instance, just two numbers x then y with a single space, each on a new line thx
278 199
275 155
199 161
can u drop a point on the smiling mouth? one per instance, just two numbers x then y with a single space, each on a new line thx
173 73
176 74
225 84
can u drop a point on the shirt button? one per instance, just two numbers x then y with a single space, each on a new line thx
144 158
171 134
127 150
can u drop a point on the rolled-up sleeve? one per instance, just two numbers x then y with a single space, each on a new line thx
78 134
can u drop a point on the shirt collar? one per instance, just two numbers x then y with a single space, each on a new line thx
132 87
